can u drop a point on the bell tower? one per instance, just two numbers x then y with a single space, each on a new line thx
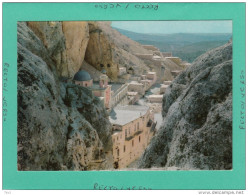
103 79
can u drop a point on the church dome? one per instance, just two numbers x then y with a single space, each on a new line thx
82 76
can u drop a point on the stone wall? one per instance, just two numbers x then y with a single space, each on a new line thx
120 96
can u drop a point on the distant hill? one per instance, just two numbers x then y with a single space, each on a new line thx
187 46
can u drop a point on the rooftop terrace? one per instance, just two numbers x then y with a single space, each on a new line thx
122 115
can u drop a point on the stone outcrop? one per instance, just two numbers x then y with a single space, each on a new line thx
61 126
196 132
99 51
65 42
69 44
108 49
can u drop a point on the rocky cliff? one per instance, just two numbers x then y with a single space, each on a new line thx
196 132
108 49
65 43
61 126
68 44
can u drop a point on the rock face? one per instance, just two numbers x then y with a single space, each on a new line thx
65 42
61 126
69 44
99 51
197 108
108 49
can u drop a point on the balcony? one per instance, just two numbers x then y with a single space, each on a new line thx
132 136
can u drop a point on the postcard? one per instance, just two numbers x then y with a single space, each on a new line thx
126 96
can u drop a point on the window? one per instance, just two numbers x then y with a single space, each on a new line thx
125 133
117 138
108 65
132 142
139 138
124 148
135 127
102 65
118 152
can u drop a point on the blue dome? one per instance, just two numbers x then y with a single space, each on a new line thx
82 76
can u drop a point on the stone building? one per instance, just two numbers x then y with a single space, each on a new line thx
175 72
167 54
147 84
163 88
167 82
133 97
152 76
156 57
132 129
101 89
136 86
155 98
83 79
119 94
122 71
176 60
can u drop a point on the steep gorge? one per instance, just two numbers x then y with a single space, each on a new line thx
196 132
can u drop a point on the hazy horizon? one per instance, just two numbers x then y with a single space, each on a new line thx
173 27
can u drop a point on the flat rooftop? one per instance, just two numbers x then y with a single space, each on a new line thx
158 57
122 115
164 86
155 96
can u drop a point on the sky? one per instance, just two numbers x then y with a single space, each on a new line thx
168 27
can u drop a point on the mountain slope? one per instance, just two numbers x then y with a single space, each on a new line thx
187 46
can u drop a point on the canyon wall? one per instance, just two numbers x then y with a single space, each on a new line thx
61 126
196 132
65 43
